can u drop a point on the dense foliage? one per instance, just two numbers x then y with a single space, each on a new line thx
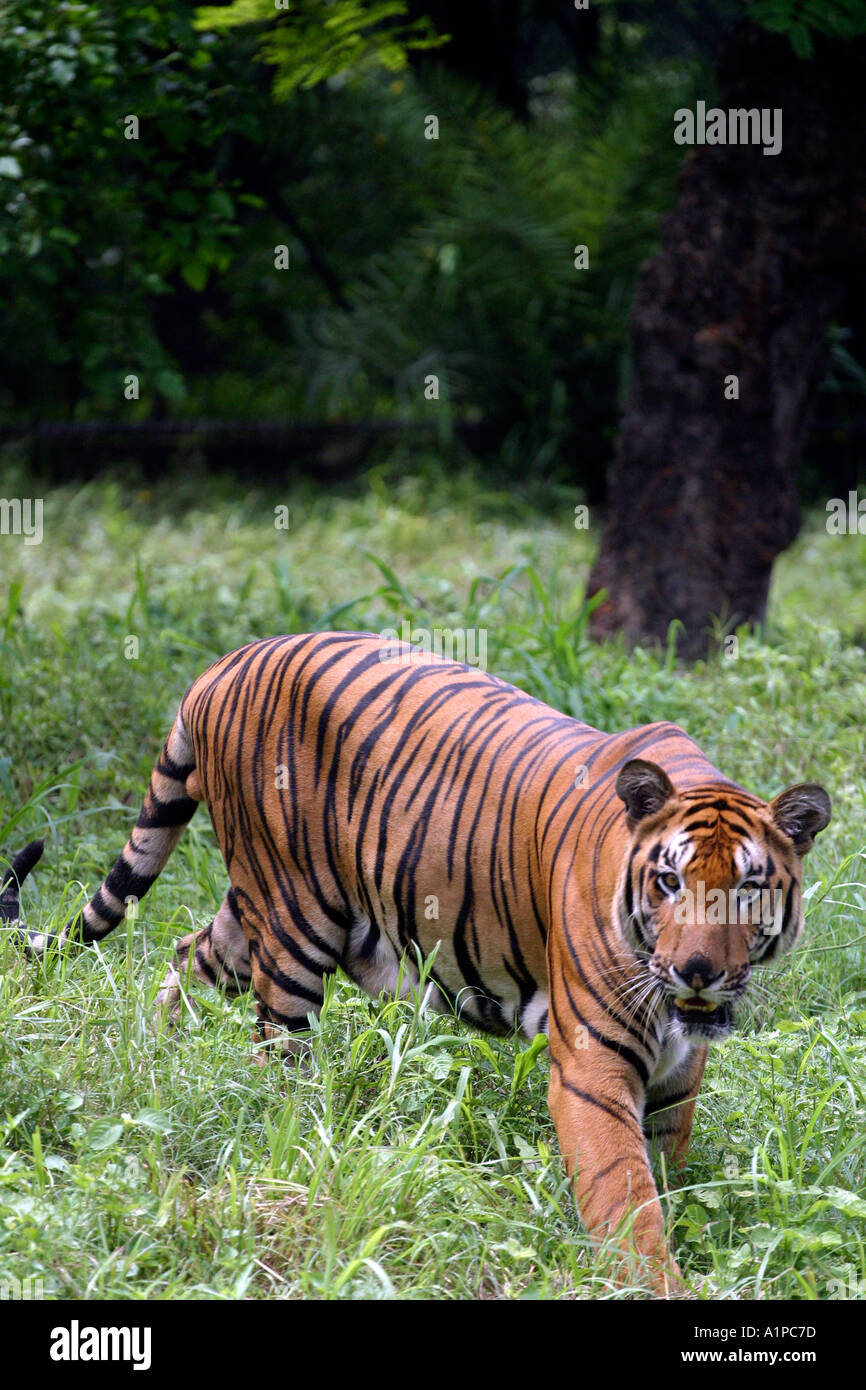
150 250
408 256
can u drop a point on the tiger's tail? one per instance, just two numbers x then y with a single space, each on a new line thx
172 796
10 888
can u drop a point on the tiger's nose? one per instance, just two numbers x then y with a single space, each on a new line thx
697 972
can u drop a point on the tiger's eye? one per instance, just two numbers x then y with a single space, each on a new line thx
749 886
670 882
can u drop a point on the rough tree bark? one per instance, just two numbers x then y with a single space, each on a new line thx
754 263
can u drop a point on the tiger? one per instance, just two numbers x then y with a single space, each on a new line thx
378 807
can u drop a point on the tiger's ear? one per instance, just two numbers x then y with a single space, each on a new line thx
801 812
644 787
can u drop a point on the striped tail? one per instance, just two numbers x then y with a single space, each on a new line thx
171 800
10 888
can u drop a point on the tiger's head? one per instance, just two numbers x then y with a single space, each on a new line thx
711 887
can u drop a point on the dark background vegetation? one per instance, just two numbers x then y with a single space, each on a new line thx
408 256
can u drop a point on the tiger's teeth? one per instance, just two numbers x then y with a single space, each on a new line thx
704 1005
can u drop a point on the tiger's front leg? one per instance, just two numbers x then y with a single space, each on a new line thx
596 1108
670 1108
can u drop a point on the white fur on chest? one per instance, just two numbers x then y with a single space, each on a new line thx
674 1054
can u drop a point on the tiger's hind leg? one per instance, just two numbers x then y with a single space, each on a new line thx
218 954
294 944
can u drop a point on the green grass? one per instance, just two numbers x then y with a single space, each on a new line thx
408 1157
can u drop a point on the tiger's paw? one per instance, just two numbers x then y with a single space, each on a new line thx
271 1042
170 1005
648 1276
668 1282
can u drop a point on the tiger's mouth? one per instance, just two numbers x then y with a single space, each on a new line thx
702 1017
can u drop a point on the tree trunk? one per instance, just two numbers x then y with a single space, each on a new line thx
755 259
